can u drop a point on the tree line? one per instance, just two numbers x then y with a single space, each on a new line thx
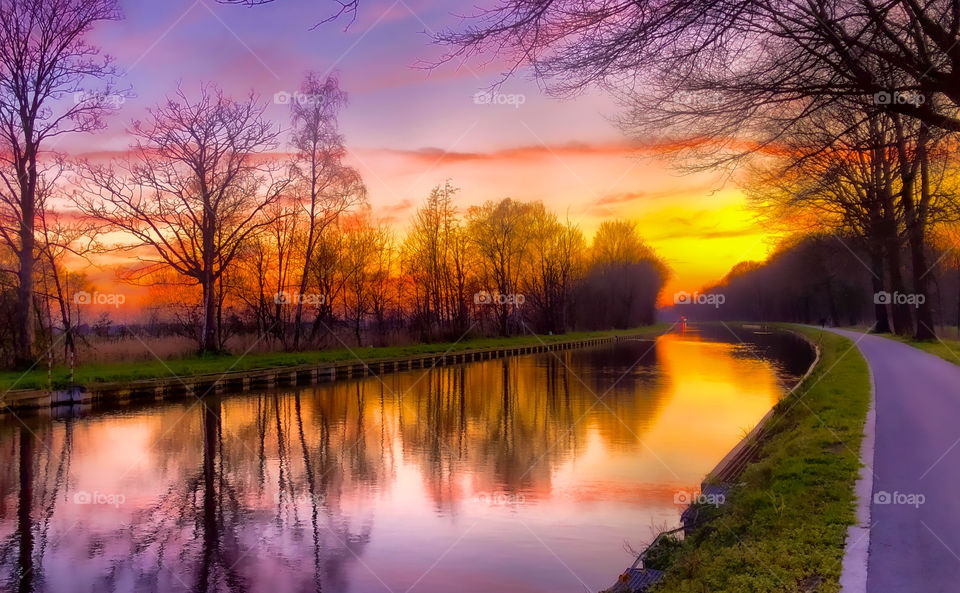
814 278
241 225
837 116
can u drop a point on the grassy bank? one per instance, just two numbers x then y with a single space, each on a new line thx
101 373
944 346
946 349
784 529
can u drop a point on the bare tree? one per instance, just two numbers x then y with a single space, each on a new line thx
500 231
325 273
280 234
195 188
556 265
384 262
251 282
360 267
436 249
732 60
864 178
45 61
838 171
719 81
61 236
330 187
342 8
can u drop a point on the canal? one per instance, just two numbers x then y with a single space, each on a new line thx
535 473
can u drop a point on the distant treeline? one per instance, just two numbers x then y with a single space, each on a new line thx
240 225
501 268
843 118
822 278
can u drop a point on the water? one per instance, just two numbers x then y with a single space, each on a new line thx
503 475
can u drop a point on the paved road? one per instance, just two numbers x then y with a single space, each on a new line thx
913 547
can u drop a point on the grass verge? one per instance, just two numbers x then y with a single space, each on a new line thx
201 365
946 349
784 528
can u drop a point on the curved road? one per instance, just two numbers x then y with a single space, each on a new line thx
915 503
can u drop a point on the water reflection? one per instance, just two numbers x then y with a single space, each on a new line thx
521 474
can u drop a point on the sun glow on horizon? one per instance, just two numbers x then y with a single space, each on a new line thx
585 171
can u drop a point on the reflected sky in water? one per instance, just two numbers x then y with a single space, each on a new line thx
522 474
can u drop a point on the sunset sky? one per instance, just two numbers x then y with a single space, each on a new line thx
409 128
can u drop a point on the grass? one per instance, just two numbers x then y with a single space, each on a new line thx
945 348
946 345
198 365
784 529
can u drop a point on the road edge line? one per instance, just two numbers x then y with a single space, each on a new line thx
853 577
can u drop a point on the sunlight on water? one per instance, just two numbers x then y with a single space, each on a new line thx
520 474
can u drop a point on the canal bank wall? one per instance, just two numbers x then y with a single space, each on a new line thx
176 387
638 577
736 460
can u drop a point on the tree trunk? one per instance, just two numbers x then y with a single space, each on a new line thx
832 303
24 313
918 259
209 337
918 256
304 274
902 321
298 315
220 298
70 348
958 300
879 309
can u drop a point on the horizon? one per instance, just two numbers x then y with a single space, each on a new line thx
585 171
558 295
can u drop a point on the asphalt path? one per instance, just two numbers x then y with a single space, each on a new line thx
914 537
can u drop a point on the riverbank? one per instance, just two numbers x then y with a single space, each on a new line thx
784 527
156 378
